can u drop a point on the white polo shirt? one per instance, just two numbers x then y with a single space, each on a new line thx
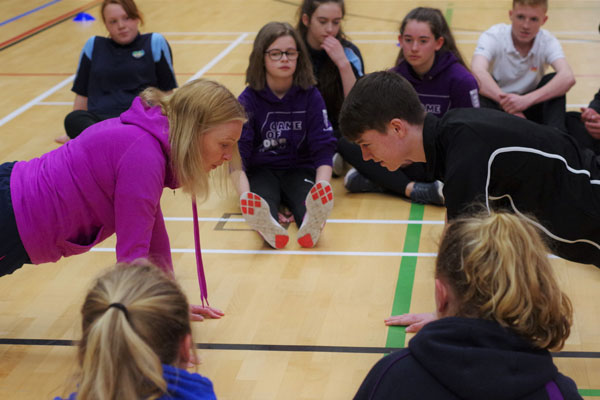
513 72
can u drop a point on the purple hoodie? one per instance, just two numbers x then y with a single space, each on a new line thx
108 180
292 132
446 85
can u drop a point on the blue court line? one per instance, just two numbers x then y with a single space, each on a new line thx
29 12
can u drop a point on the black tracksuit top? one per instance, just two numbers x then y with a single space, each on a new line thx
506 162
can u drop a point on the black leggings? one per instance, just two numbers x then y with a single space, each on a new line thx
77 121
392 181
289 186
550 112
12 252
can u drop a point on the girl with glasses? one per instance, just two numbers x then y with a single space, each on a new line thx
287 144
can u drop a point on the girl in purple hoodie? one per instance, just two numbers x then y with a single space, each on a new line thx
137 339
431 62
287 144
111 177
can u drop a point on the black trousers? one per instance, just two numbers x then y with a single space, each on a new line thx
288 187
391 181
77 121
12 252
550 112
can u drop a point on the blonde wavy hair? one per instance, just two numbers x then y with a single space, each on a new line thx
120 352
498 268
192 110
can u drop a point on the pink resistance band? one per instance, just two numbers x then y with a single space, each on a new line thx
199 264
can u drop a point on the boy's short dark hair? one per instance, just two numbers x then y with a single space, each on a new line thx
375 100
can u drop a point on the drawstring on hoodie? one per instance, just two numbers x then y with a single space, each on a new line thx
199 264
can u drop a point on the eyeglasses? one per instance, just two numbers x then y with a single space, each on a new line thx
276 54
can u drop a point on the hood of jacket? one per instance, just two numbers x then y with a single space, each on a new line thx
152 121
442 62
267 94
479 359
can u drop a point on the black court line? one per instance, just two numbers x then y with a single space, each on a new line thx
220 226
275 347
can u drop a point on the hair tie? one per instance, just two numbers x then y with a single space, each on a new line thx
120 307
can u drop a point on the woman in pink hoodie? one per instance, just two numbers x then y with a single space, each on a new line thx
111 178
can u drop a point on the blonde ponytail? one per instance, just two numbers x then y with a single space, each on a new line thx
122 348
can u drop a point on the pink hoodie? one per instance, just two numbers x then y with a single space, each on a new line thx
108 180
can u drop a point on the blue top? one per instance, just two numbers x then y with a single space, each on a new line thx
110 75
446 85
292 132
181 385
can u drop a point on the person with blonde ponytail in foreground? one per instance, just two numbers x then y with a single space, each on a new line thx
499 310
137 339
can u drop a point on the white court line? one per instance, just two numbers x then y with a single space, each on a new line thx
291 252
363 41
206 41
33 102
203 33
55 103
297 252
59 86
218 58
329 221
366 33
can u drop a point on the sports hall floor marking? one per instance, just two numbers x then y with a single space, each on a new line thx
28 12
275 347
46 25
406 276
290 252
44 95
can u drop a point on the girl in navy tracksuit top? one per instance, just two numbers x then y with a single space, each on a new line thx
113 70
287 144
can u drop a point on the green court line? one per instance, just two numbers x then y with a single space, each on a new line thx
406 276
589 392
448 13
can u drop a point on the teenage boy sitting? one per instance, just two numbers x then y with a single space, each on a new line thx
509 63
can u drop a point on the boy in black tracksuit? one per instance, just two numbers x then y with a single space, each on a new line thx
483 156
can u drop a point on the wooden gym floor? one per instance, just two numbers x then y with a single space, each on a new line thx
299 324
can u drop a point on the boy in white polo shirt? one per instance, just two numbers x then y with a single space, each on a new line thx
510 61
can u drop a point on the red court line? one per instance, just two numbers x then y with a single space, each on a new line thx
47 24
